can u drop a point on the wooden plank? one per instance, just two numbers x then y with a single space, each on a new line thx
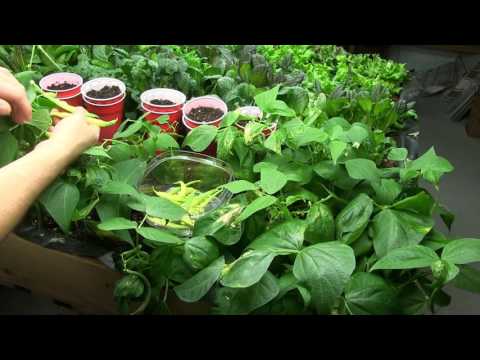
85 284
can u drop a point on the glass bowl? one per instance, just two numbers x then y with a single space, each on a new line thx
178 165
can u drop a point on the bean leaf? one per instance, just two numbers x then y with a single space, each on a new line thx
282 239
199 138
410 257
248 269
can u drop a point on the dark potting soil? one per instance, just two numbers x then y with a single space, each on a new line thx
205 114
61 86
162 102
104 93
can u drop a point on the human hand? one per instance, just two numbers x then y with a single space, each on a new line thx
13 98
74 133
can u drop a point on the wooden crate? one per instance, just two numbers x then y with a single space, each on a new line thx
85 285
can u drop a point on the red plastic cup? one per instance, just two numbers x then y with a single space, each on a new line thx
99 83
173 119
256 112
175 96
211 150
207 101
108 112
72 96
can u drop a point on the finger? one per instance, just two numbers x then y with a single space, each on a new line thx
7 75
5 108
16 96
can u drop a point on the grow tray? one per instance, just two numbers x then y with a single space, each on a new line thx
84 285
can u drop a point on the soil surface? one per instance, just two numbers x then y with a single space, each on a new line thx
162 102
205 114
61 86
104 93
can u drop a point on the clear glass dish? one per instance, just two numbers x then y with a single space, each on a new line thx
178 165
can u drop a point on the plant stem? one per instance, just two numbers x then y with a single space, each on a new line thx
42 50
333 195
31 57
145 302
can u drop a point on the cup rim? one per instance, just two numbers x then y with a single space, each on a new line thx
121 85
154 112
147 92
115 103
46 77
224 109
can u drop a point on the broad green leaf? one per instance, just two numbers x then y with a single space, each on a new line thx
60 200
41 119
225 141
274 142
362 169
230 118
97 151
325 268
336 149
421 203
386 191
286 283
272 180
468 279
370 294
129 131
435 240
121 152
238 186
462 251
96 176
283 239
252 130
158 237
117 223
397 154
431 166
310 135
321 224
409 257
200 251
353 219
118 188
9 146
394 229
199 138
162 208
357 134
247 270
255 206
444 271
165 142
129 171
199 284
243 301
266 100
217 219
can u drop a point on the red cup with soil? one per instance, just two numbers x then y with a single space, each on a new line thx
108 112
205 110
255 112
211 150
103 91
163 101
171 125
67 86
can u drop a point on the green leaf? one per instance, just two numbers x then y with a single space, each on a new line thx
310 135
386 191
325 268
243 301
9 146
447 216
462 251
272 180
225 141
252 130
409 257
117 223
362 169
397 154
158 237
468 279
369 294
230 118
353 219
200 251
421 203
199 138
129 131
162 208
274 142
60 200
394 229
255 206
283 239
357 134
336 148
321 224
431 166
41 119
435 240
266 100
129 171
247 270
165 142
238 186
118 188
97 151
217 219
199 284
